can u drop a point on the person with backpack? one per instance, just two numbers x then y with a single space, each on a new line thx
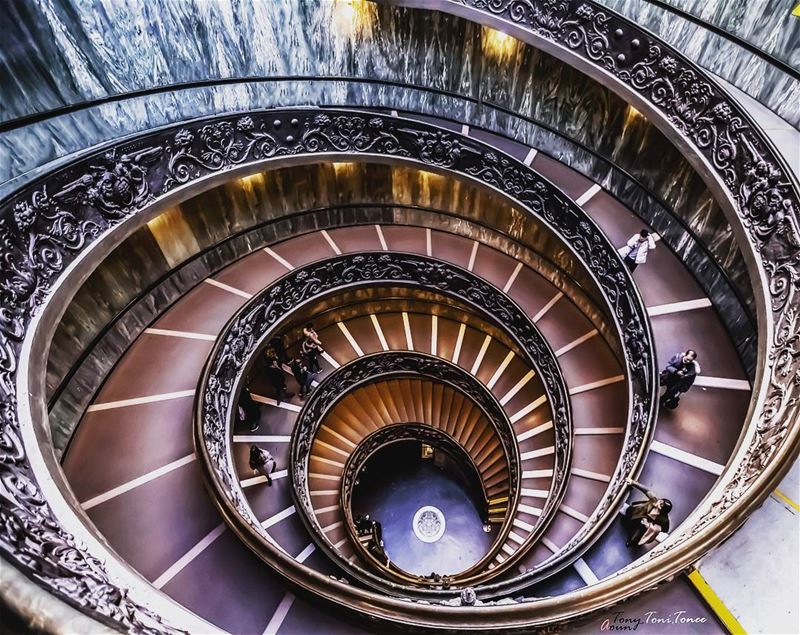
262 462
678 377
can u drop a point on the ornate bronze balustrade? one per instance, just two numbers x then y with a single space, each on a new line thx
47 228
52 230
761 198
246 333
382 366
439 439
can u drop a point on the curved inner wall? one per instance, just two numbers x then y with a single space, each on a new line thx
129 375
146 267
568 102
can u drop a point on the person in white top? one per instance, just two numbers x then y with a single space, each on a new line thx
635 251
310 334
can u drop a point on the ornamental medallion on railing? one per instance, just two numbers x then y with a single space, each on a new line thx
380 367
762 190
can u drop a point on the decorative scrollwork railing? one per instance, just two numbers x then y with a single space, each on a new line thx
761 198
52 229
423 433
382 366
45 229
265 313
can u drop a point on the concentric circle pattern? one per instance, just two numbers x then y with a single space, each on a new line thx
338 333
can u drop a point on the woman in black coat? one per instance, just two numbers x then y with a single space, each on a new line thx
249 411
645 520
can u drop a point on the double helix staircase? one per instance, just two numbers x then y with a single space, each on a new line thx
590 370
150 234
399 401
405 400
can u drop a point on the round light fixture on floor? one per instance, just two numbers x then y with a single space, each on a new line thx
428 523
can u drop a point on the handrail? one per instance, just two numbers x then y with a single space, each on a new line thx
53 228
378 440
758 192
381 366
696 242
644 188
761 198
250 232
251 327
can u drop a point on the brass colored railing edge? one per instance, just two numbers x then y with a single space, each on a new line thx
761 198
758 191
56 229
261 316
383 365
374 442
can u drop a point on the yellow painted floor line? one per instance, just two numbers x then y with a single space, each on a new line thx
716 604
784 498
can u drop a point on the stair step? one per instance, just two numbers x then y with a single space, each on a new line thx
496 501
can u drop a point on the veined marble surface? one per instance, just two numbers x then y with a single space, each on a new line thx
765 601
766 24
63 52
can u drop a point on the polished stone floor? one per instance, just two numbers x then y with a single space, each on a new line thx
394 486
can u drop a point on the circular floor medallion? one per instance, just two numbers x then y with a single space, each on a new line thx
428 523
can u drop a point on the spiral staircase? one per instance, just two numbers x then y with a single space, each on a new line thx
168 359
479 328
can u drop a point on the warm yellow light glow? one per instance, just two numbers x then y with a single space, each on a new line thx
340 167
251 179
174 236
427 177
430 183
352 19
497 44
631 115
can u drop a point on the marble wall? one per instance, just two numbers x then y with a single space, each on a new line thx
59 53
152 252
174 251
766 24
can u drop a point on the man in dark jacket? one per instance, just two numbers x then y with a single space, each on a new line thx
302 375
678 377
645 520
277 379
277 347
248 411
